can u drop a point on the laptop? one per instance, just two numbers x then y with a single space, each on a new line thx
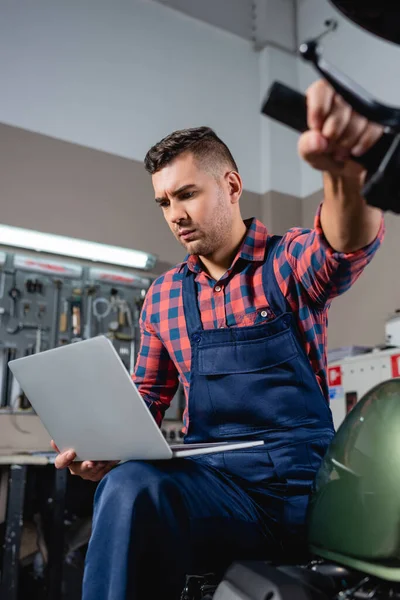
87 401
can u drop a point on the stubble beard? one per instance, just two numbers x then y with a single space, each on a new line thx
217 235
214 234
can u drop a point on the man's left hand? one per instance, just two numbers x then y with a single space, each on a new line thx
336 132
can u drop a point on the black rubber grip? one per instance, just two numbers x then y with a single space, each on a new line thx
289 107
286 106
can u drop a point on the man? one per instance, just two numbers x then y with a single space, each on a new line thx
242 324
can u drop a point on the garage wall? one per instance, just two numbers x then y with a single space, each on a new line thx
119 75
67 189
55 186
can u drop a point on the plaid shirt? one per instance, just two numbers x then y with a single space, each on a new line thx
309 273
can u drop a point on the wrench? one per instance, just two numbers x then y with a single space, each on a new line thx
38 344
87 331
2 283
15 295
56 310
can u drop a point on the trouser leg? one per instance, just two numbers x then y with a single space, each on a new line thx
154 523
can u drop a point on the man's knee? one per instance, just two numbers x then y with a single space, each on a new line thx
137 486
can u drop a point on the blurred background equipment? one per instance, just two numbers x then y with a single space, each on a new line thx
48 303
379 17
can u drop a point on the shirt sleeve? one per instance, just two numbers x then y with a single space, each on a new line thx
305 258
155 373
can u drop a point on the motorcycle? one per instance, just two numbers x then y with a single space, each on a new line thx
354 511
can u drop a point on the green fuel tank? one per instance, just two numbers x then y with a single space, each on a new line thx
354 511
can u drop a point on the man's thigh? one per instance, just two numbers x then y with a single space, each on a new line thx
225 523
201 508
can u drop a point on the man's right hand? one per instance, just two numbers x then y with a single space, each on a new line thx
88 469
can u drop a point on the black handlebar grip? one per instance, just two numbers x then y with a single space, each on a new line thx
286 106
289 107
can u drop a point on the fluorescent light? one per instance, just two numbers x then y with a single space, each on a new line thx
66 246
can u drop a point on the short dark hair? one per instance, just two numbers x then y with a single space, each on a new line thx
202 142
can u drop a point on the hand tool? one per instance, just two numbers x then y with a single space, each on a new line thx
121 313
2 283
76 303
15 295
38 344
56 311
124 313
113 326
30 286
34 286
89 312
41 310
39 287
114 299
64 318
76 321
117 305
101 313
26 308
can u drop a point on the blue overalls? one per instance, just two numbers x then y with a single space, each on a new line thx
156 521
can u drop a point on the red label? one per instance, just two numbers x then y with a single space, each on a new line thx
120 278
395 360
48 266
334 376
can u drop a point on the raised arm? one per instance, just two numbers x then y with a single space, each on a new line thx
337 133
306 262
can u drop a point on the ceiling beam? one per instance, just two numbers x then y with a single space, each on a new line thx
275 24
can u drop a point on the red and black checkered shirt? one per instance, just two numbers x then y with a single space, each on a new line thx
309 273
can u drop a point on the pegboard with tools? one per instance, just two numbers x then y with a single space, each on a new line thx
113 302
47 303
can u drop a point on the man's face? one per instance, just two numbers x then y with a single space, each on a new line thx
195 203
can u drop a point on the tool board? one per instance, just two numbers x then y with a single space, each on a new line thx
46 303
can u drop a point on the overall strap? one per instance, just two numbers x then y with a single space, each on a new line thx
190 304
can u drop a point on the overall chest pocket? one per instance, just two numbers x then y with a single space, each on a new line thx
247 318
254 385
